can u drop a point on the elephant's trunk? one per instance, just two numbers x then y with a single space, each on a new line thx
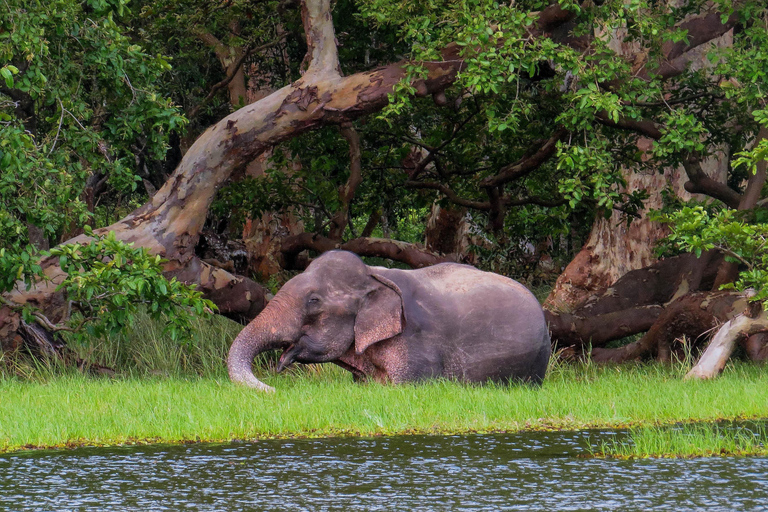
274 328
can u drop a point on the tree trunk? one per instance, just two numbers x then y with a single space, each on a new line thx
448 233
613 247
169 224
719 350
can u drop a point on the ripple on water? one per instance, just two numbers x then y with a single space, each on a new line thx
525 471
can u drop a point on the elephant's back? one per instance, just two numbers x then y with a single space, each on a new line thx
497 324
464 282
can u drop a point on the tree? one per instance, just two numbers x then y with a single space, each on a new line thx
532 120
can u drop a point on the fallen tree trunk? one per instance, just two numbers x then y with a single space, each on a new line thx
634 303
690 317
721 347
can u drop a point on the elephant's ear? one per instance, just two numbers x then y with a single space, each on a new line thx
380 316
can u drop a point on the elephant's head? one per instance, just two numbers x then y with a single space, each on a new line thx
318 315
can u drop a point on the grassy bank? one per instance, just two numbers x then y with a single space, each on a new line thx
691 440
165 392
72 409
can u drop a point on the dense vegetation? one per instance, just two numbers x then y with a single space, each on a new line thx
499 134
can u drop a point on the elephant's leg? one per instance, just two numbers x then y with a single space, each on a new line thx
357 374
360 366
395 362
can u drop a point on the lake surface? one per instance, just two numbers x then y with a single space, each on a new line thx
525 471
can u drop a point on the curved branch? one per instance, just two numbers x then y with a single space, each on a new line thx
527 163
340 219
231 72
410 254
450 194
701 183
570 329
643 127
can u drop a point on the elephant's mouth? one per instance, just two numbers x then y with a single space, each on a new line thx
287 357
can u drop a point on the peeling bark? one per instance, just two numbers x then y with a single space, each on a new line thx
720 348
613 247
170 223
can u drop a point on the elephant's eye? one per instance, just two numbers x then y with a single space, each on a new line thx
313 301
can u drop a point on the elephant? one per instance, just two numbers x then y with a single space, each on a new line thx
448 321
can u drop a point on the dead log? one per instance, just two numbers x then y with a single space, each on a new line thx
633 303
692 316
742 326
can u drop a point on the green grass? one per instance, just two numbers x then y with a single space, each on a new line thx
693 440
75 409
164 392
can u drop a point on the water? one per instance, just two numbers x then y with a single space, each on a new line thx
526 471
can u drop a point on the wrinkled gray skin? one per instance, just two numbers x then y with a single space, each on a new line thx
448 320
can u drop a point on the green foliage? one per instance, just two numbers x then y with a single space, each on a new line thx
739 235
583 166
109 281
36 189
522 87
87 94
79 100
79 105
18 265
683 133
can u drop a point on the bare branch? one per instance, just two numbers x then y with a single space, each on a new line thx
231 73
410 254
322 53
643 127
527 163
450 194
340 220
700 183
